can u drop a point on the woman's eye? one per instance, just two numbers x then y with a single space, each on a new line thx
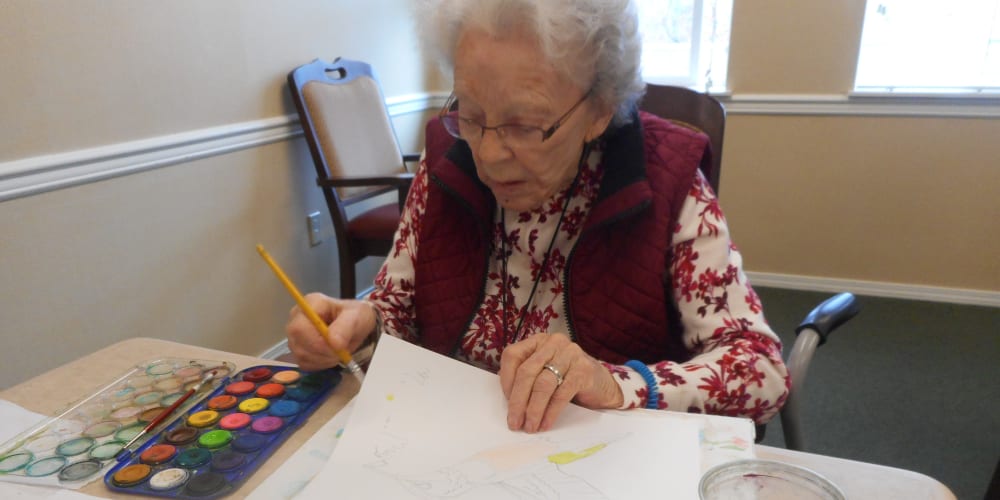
520 130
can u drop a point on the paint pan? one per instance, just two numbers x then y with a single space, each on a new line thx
220 442
80 444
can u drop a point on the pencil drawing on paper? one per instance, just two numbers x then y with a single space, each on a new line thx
538 468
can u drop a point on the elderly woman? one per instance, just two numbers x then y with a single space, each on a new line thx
556 235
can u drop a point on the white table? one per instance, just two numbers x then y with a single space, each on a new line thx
82 377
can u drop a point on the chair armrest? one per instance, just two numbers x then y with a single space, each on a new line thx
411 157
398 180
401 182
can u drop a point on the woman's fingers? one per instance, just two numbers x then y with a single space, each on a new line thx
311 350
512 358
535 396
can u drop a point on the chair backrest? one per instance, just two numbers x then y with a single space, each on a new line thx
346 123
695 110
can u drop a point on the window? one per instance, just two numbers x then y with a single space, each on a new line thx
929 46
686 42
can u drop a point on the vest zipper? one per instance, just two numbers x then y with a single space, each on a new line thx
569 259
486 263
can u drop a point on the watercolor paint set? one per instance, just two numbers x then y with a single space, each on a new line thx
218 443
82 442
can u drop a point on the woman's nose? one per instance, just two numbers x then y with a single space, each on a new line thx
491 147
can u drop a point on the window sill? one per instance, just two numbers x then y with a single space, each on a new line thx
865 104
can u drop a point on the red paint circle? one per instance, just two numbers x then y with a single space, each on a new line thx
240 388
270 391
259 374
158 453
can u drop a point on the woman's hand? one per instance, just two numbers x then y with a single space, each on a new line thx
535 398
350 322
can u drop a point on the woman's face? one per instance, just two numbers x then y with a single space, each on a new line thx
507 81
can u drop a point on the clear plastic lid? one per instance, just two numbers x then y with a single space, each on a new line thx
765 480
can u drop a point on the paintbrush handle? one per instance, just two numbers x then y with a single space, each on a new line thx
166 413
159 418
344 356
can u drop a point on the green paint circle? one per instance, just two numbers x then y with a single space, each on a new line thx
80 470
192 458
45 466
75 446
215 439
170 399
148 398
127 433
17 461
160 369
102 429
107 450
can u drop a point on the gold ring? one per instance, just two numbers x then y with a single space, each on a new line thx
555 371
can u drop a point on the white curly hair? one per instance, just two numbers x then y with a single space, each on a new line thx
594 43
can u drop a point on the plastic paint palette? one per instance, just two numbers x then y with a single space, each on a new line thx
74 447
223 439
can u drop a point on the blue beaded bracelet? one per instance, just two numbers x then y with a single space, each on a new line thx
652 393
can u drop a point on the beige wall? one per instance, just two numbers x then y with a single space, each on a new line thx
169 252
899 200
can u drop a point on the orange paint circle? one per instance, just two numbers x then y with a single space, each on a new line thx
151 414
223 402
270 391
132 475
286 377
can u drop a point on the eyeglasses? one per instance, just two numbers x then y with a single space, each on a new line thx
514 136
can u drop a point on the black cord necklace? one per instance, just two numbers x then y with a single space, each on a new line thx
508 338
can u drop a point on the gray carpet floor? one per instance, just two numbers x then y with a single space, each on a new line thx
908 384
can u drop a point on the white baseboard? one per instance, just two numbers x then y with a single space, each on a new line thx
877 289
276 350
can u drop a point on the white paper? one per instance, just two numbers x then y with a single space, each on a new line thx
296 472
10 491
426 426
16 420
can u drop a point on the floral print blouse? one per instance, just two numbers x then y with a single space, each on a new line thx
735 368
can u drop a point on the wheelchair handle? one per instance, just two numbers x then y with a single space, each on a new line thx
829 315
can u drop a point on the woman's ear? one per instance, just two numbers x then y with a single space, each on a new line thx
597 127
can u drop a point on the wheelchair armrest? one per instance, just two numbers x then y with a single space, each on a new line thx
829 315
810 334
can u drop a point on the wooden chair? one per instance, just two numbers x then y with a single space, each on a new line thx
356 154
695 110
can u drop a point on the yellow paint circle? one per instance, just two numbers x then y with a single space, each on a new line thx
203 418
254 405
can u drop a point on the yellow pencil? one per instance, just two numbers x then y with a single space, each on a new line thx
345 357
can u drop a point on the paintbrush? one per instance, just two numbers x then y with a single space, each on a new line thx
345 357
165 413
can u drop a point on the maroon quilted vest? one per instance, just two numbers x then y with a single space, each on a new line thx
619 300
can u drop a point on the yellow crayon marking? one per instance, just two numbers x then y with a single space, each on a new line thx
566 457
